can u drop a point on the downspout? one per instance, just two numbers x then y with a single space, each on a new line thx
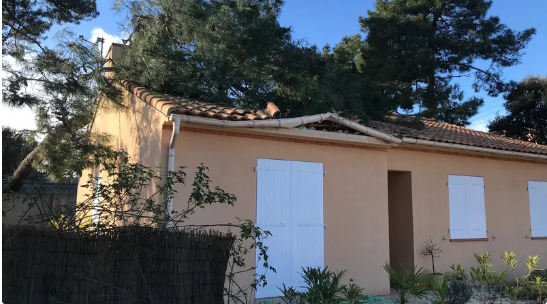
171 166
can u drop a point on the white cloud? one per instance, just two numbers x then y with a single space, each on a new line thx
108 38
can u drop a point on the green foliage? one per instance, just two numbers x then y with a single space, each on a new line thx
235 53
322 286
459 292
532 286
352 294
421 47
408 282
457 272
527 111
15 146
60 83
440 291
26 21
490 283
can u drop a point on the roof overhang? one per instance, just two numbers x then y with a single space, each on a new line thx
288 127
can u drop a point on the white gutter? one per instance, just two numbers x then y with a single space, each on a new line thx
421 142
171 165
287 123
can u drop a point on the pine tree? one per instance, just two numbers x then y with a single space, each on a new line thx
235 53
427 45
526 104
61 84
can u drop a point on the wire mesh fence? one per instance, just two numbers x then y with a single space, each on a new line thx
122 265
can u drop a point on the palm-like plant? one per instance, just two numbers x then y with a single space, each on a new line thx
408 282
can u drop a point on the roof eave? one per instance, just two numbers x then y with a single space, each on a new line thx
421 142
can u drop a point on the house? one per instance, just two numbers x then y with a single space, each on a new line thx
340 194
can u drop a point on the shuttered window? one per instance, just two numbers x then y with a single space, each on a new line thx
467 209
96 199
537 192
290 206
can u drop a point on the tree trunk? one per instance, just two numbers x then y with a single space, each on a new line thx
24 171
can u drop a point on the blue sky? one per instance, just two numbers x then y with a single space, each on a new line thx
322 21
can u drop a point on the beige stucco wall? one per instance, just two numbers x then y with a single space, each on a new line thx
506 200
355 196
136 129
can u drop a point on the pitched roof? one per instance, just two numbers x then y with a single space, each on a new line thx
170 104
449 133
432 130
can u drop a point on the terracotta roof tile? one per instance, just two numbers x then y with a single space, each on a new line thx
433 130
169 104
448 133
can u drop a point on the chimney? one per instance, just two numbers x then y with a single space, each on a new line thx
115 52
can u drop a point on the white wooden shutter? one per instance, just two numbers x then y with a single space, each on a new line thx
466 207
457 197
274 215
95 211
307 218
537 192
476 213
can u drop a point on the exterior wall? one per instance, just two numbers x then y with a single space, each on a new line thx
355 196
506 201
36 203
137 129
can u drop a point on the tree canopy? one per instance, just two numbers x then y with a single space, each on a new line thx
426 45
526 105
60 82
236 53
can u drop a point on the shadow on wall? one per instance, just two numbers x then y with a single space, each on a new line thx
36 202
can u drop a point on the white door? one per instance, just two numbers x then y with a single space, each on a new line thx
290 206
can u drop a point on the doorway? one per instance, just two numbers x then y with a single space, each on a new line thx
401 234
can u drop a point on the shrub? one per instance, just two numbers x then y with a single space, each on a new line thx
408 282
490 283
458 292
322 286
440 291
457 273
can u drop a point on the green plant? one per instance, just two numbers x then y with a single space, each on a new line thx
291 295
432 251
322 286
458 272
530 286
352 293
408 282
490 283
458 292
440 291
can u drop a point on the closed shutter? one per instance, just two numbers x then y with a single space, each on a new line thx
290 206
457 196
537 192
95 211
467 207
476 208
307 218
274 215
